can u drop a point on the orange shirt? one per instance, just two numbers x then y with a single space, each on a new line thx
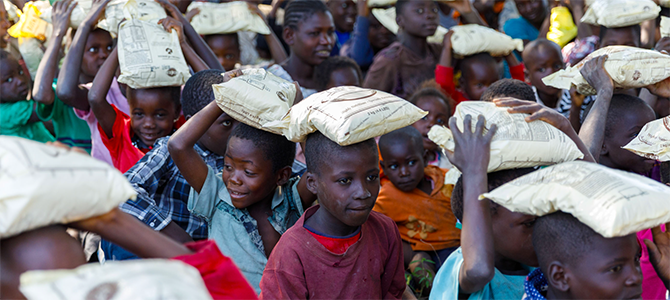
425 221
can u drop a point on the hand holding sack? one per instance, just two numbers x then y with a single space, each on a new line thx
472 39
221 18
653 141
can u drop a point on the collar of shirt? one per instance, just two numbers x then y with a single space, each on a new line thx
535 286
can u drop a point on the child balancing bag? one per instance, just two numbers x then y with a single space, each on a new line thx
149 56
653 142
620 13
386 16
347 115
472 39
157 279
517 143
231 17
42 185
256 98
629 67
613 203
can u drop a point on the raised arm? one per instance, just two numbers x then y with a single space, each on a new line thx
469 13
593 129
97 96
276 49
192 58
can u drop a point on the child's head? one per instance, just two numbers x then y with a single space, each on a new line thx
622 36
509 88
309 30
478 72
4 25
337 71
99 45
579 263
403 157
511 231
226 47
344 178
378 35
14 83
256 162
542 58
344 14
429 97
153 112
532 10
417 17
197 94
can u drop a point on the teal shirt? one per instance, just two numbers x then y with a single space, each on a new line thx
14 119
446 286
235 231
68 128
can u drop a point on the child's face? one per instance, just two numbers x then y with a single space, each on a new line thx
480 76
419 18
344 77
4 25
152 114
438 114
247 173
625 129
378 35
512 236
344 14
403 164
14 84
215 138
314 39
226 48
99 45
542 62
531 10
624 36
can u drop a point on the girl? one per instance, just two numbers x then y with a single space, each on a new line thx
429 97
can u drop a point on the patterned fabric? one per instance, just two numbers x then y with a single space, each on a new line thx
565 103
574 52
535 286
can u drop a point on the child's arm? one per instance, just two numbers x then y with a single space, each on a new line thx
444 71
276 49
42 88
593 129
97 96
471 156
191 56
659 253
68 89
516 68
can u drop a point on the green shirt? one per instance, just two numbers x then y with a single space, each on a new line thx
14 119
69 129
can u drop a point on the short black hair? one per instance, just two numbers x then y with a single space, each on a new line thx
4 54
494 179
297 11
320 150
324 70
540 43
430 88
620 105
464 64
560 236
173 91
399 5
637 30
403 136
276 148
509 88
233 35
198 91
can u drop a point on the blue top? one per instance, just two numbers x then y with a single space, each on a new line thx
520 28
358 46
342 37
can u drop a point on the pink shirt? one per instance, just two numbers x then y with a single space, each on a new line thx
652 285
115 97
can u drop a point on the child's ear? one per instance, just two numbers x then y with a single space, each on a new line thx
283 175
526 75
381 164
311 182
558 277
289 35
604 150
400 21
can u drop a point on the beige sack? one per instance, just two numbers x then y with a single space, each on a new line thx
629 67
145 10
612 202
387 18
472 39
256 98
42 185
13 12
665 26
664 3
653 141
517 143
220 18
135 279
148 55
381 3
620 13
347 115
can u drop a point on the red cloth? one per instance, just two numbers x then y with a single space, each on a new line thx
222 277
301 268
124 154
444 76
336 245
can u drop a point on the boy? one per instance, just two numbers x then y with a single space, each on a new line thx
226 47
344 16
429 97
509 88
337 71
417 199
532 23
340 249
581 264
620 36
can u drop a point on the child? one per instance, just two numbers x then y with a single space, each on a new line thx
344 16
4 25
509 88
417 199
621 36
439 107
404 65
339 249
337 71
533 22
310 33
368 38
581 264
226 47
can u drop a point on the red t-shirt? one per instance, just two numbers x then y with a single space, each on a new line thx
335 244
444 76
124 154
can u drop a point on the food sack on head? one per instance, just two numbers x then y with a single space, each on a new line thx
387 18
612 202
133 279
665 26
472 39
42 185
347 115
149 56
629 67
381 3
653 141
221 18
620 13
256 98
517 143
145 10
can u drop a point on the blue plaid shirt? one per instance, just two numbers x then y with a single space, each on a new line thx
162 192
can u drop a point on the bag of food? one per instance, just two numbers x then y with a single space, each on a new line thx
472 39
613 203
629 67
517 143
220 18
381 3
664 3
30 25
145 10
134 279
653 141
13 12
42 185
347 115
562 29
256 98
620 13
148 55
76 17
665 26
387 18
